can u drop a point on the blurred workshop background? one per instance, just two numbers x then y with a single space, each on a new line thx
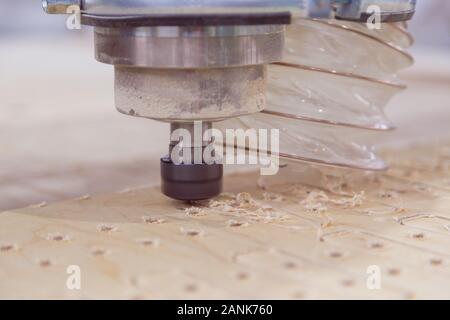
60 136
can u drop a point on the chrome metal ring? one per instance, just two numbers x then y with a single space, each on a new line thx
190 47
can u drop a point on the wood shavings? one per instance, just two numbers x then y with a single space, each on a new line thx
228 195
244 199
195 211
315 201
223 205
356 201
153 220
343 183
268 215
326 221
107 228
316 207
244 206
225 202
334 184
388 194
269 196
316 195
198 203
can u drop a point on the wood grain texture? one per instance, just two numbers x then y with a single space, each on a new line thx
259 240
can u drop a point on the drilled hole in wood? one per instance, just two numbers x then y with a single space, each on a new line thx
393 271
7 247
148 242
190 288
58 237
436 262
335 254
348 283
243 275
290 265
98 252
419 236
236 224
191 232
45 263
376 245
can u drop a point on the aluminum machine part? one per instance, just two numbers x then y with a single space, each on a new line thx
184 61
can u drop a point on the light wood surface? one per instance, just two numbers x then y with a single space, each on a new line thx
292 241
61 138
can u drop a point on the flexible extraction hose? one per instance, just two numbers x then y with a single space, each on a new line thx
328 94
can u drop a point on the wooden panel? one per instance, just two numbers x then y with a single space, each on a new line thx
290 240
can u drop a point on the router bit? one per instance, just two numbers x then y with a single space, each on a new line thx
182 61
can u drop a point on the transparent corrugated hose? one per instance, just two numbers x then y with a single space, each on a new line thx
328 95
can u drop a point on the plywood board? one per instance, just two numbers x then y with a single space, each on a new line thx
261 239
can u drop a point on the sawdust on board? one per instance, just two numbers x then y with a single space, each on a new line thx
195 211
243 205
317 200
